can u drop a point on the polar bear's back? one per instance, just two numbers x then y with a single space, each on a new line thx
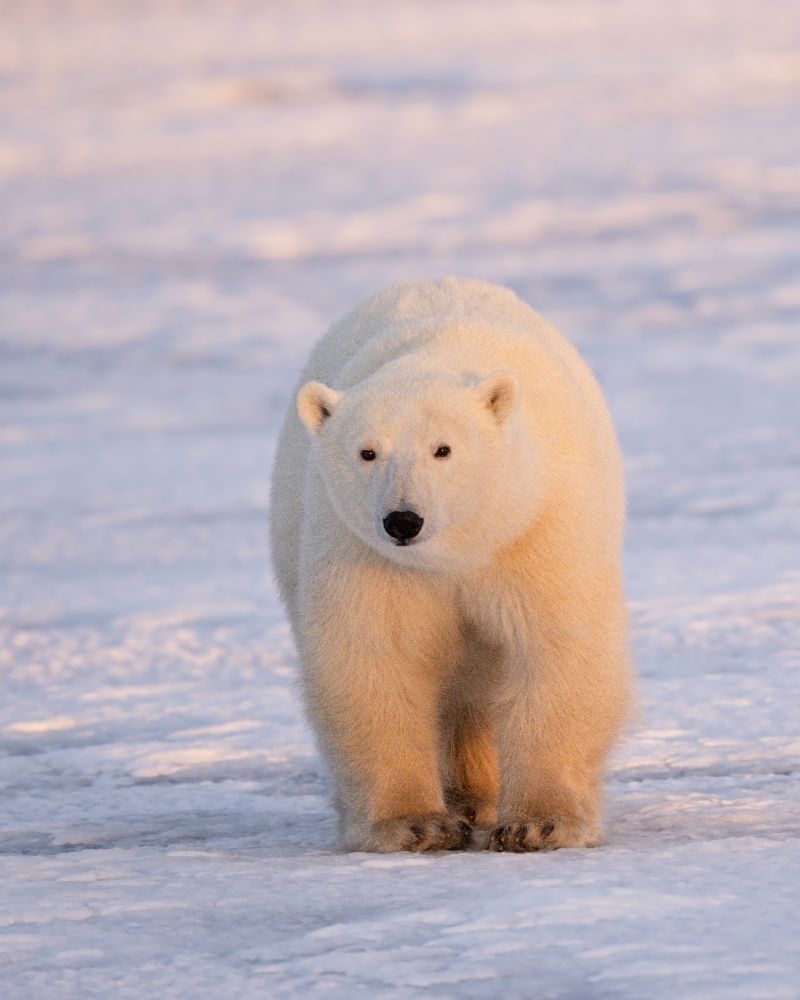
408 315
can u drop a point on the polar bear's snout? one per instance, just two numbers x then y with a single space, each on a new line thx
403 525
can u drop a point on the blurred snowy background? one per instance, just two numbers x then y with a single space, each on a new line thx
190 192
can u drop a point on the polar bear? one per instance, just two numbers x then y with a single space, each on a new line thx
447 518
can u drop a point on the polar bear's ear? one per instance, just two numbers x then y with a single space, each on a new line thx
500 394
315 403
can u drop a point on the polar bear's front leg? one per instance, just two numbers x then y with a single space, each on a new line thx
377 647
565 700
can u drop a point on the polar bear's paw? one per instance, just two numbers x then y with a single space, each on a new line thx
544 833
480 812
431 832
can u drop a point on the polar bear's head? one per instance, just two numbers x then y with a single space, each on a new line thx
434 473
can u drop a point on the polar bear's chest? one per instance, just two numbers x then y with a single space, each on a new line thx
496 614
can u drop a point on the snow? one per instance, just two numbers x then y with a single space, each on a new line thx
190 193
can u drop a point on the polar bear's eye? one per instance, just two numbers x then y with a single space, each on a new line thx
442 451
368 455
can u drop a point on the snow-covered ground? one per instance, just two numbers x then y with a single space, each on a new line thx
190 193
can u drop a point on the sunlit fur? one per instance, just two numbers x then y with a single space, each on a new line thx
480 671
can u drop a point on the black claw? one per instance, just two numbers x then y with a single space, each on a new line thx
520 835
463 831
495 843
418 830
547 829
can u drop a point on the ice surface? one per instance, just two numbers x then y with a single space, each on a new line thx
190 193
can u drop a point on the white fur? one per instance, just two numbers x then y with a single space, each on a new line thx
482 667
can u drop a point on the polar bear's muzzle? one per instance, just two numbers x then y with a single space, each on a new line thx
403 526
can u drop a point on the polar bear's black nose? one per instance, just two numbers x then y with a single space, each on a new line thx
403 525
